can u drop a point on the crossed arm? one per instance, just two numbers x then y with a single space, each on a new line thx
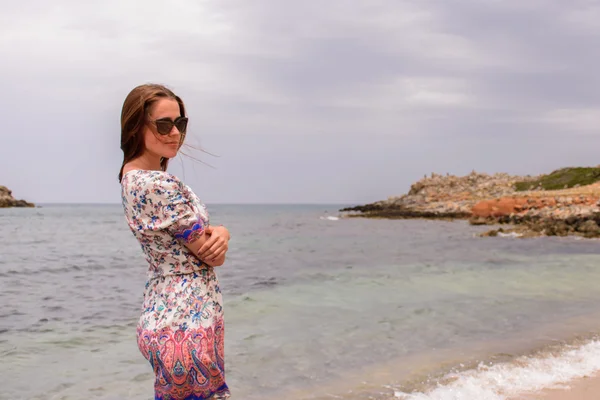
211 246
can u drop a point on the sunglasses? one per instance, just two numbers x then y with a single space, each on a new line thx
164 126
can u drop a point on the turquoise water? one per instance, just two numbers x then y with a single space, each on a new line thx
314 307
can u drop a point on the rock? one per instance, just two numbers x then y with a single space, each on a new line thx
589 228
445 196
557 208
492 233
7 200
516 232
571 220
556 228
494 199
501 207
584 225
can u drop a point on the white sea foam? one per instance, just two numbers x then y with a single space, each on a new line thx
330 218
511 234
508 380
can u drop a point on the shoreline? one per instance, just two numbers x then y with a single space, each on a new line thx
560 371
529 365
586 388
542 367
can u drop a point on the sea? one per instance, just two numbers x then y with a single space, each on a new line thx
316 307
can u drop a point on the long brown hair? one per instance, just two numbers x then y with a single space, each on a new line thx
134 114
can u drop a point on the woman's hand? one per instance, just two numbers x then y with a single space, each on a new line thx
217 244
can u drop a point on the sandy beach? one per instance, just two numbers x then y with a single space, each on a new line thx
580 389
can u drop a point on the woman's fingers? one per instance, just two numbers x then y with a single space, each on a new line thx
209 253
215 246
218 252
207 245
217 255
222 250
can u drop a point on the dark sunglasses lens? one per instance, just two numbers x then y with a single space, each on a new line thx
181 125
164 127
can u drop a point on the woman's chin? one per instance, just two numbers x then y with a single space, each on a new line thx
170 154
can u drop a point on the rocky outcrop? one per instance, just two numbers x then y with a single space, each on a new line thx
7 200
500 199
587 226
552 213
441 196
555 207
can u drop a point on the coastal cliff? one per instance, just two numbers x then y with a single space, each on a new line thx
564 202
442 196
551 213
7 200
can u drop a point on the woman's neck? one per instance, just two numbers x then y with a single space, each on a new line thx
146 161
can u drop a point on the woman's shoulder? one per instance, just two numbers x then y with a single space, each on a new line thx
150 179
147 186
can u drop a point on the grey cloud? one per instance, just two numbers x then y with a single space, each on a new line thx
561 63
304 101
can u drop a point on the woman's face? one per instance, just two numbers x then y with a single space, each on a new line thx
163 113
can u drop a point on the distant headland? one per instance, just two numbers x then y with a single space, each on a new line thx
563 202
7 200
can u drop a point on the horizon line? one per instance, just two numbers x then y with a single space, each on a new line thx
214 203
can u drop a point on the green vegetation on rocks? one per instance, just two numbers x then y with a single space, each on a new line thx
564 178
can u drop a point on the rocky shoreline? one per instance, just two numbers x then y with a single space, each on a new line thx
558 213
440 197
587 226
484 199
7 200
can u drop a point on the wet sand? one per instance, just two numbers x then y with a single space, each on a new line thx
587 388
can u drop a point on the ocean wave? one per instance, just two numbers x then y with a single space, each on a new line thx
329 218
54 270
527 374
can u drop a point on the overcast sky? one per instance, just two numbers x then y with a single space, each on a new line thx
337 101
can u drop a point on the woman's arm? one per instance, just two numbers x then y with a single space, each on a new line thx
171 210
217 244
210 246
217 262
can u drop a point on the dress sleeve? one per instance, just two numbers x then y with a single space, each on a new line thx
165 205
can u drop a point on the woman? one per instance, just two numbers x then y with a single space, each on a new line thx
181 328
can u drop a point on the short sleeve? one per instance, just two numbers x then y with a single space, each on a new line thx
165 205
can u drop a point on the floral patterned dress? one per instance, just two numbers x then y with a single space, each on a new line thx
181 330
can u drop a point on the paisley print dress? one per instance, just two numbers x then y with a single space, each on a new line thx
180 331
